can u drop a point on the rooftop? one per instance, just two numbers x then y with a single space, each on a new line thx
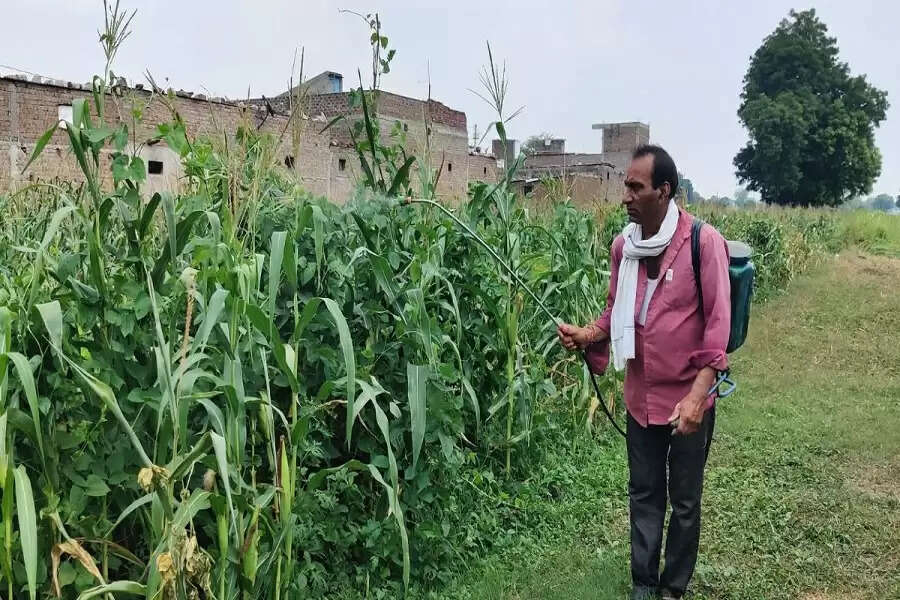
624 124
121 82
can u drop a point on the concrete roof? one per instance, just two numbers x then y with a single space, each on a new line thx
626 124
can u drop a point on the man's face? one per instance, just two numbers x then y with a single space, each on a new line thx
643 203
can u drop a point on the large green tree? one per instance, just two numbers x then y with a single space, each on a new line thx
811 123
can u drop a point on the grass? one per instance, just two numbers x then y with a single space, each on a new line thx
803 489
877 232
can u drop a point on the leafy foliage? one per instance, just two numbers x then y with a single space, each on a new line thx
884 202
244 391
536 143
810 122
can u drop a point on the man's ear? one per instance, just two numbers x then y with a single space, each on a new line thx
665 190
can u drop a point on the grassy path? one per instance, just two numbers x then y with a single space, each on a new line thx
803 488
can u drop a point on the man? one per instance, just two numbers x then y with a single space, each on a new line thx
671 349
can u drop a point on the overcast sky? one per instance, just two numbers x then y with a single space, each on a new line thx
677 65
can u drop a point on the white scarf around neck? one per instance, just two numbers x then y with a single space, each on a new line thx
635 248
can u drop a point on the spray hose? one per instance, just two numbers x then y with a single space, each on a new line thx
515 276
722 378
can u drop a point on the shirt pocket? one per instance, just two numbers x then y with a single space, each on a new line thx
678 287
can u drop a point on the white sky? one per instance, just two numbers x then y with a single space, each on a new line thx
677 65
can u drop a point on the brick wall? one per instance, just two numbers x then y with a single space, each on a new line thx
482 167
28 108
447 146
625 137
391 106
586 191
572 162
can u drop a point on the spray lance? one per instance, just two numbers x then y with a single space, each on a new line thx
515 276
720 379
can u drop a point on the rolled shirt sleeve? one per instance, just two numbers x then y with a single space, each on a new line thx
716 301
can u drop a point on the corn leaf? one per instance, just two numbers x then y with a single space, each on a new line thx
187 510
401 177
26 378
95 263
171 227
384 277
319 238
116 549
283 354
51 313
366 232
4 453
49 234
80 113
27 528
309 311
178 237
19 421
180 464
147 215
290 264
143 500
210 318
7 506
349 359
78 150
41 144
416 382
215 415
394 489
371 134
474 400
394 503
116 587
367 393
331 123
109 399
218 443
276 255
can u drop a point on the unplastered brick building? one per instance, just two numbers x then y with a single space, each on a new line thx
588 179
324 162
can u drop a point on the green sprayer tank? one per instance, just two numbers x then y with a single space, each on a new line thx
740 272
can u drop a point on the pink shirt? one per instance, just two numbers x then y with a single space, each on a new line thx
677 340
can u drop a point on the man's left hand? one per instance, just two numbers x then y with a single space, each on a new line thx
688 414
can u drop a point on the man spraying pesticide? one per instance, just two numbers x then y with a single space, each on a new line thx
675 307
669 320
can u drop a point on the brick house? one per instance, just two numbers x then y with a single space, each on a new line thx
325 163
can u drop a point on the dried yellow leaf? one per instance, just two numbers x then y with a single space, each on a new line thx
73 548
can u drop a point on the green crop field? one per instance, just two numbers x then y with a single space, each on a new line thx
244 391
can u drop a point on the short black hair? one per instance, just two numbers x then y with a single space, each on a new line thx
663 166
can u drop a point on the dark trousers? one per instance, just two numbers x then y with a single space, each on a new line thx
650 451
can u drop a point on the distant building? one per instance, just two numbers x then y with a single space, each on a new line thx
587 178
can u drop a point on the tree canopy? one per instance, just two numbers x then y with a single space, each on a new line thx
811 123
882 202
536 143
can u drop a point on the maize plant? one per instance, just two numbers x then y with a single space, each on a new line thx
242 391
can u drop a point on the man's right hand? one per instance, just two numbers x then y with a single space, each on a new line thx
572 336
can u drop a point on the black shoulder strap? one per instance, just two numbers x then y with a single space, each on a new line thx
695 257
